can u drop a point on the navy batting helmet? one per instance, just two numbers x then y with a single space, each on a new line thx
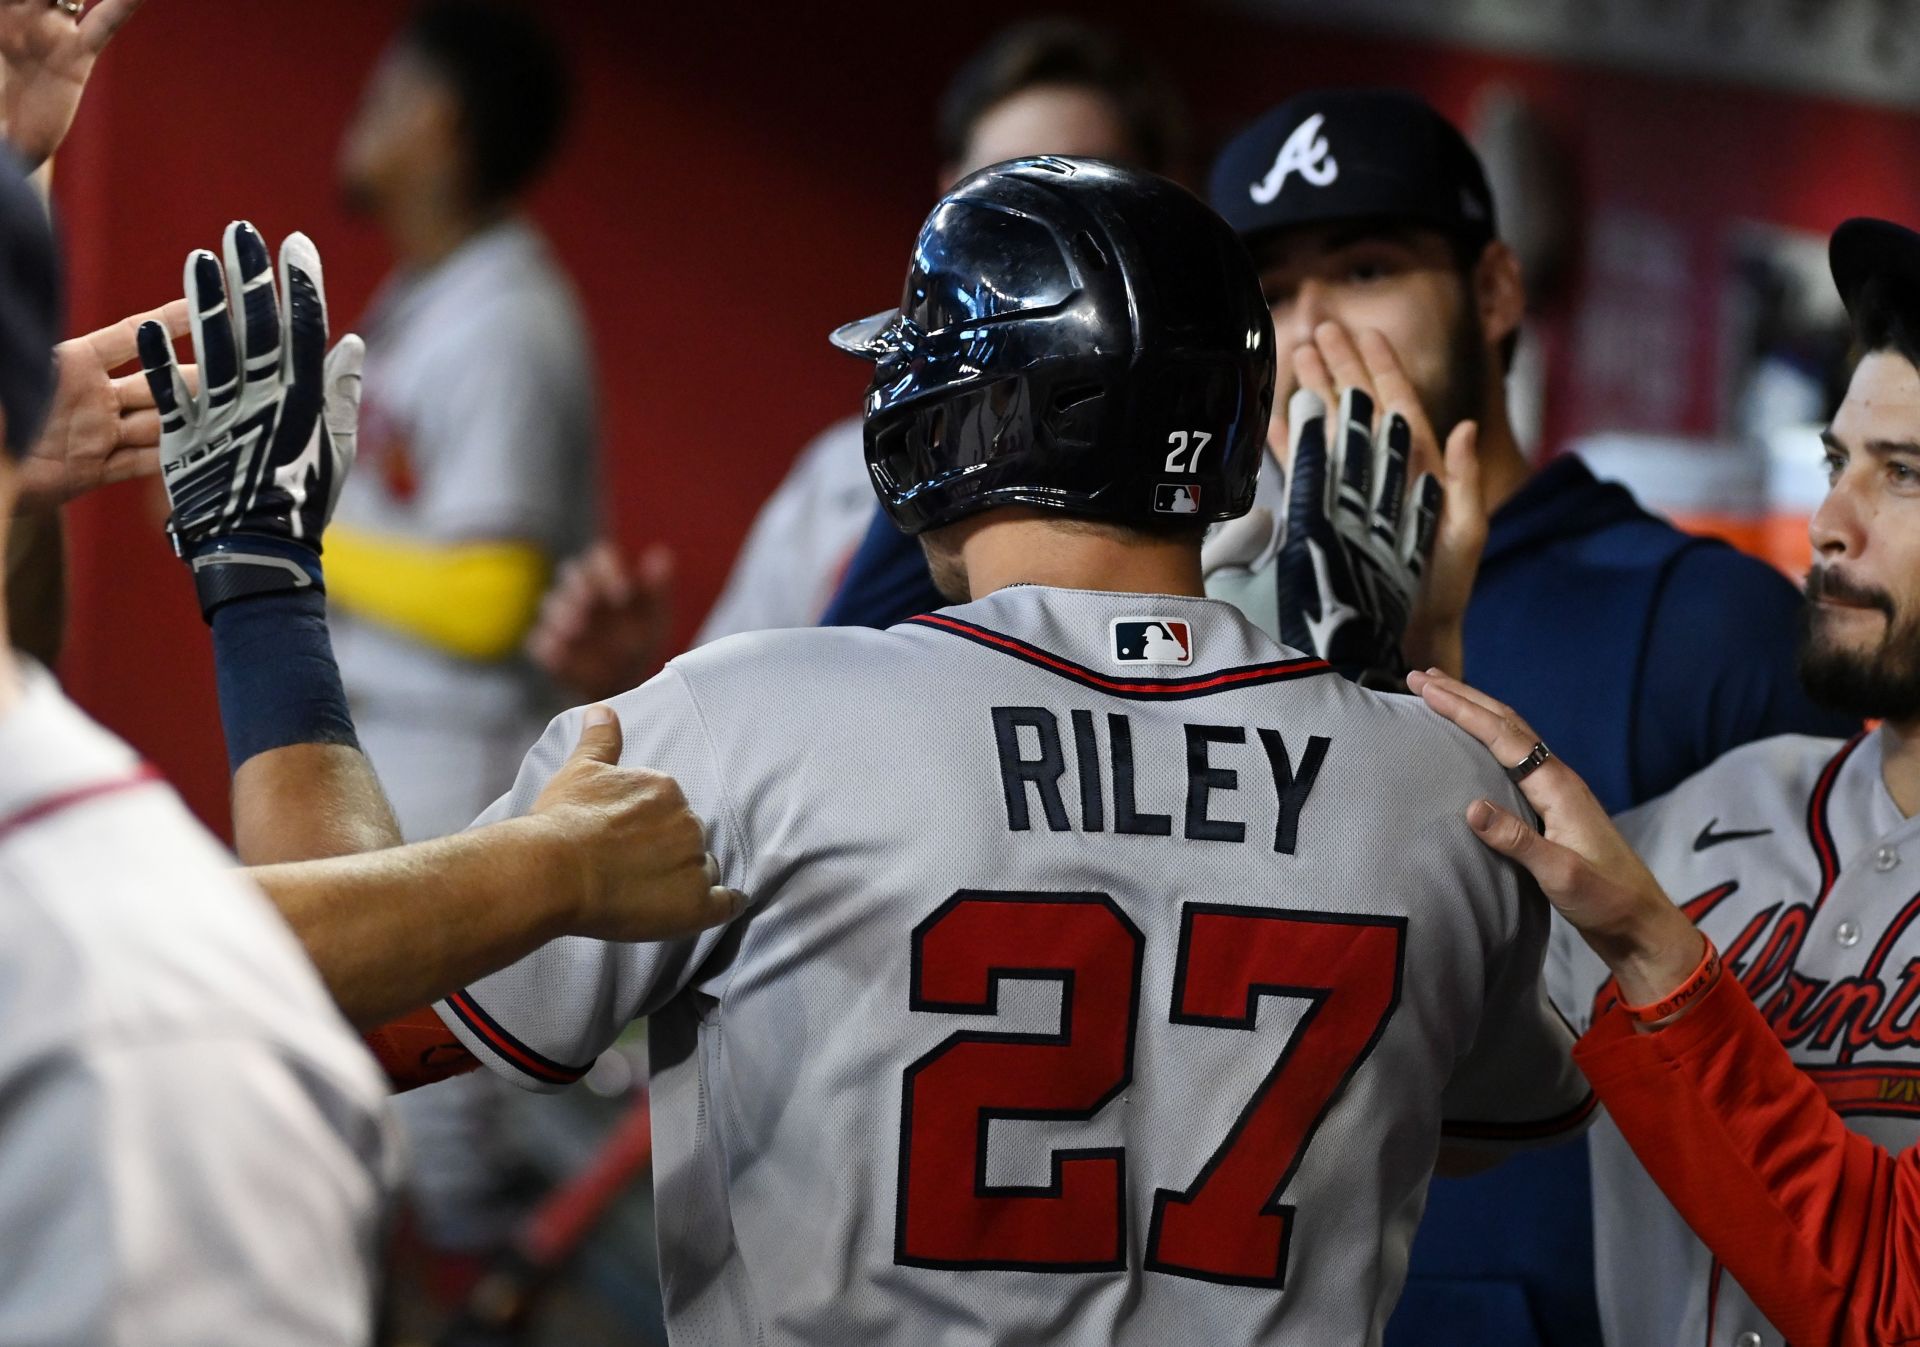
1074 336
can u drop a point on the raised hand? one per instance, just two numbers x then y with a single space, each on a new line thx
1357 538
254 458
1337 360
604 623
100 429
46 56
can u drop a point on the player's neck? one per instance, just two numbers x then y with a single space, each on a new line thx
1035 550
1900 763
428 229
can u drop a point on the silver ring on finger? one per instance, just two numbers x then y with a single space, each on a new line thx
72 8
1530 764
713 870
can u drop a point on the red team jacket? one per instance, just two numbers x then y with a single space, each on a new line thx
1820 1224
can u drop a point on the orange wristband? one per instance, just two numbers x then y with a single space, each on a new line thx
1698 981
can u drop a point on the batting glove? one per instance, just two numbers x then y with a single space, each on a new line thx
254 460
1357 540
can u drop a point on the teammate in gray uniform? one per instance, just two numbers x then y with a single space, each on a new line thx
478 477
1795 855
1101 983
478 436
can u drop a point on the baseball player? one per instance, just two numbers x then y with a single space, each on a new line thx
1092 990
480 445
193 1148
479 428
1794 855
1642 653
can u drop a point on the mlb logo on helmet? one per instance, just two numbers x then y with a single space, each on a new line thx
1152 640
1176 498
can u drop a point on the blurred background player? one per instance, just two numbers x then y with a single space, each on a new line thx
1640 652
478 435
477 477
1046 86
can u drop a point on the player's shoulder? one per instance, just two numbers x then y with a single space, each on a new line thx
788 645
1777 773
1433 747
794 664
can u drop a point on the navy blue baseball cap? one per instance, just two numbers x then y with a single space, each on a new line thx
1353 154
29 306
1864 250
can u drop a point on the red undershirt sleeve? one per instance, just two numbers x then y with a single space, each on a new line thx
1817 1223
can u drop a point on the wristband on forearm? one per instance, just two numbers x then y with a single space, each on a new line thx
1698 983
243 566
274 666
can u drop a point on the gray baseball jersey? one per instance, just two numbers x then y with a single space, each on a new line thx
1110 974
478 423
193 1148
801 540
1791 855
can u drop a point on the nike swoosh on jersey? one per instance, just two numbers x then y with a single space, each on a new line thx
1709 838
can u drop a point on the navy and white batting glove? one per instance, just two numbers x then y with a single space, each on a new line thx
1357 539
254 460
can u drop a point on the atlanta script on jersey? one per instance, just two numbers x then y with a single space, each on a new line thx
1791 855
1080 1001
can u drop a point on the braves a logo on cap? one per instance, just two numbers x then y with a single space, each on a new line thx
1152 640
1176 498
1305 153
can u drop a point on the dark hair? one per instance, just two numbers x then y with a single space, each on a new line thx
1067 51
1886 317
511 83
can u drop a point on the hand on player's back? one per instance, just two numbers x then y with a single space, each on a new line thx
1581 862
644 869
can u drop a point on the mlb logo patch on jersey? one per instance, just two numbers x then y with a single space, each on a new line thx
1176 498
1152 640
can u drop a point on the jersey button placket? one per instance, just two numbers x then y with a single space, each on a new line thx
1749 1339
1847 933
1885 858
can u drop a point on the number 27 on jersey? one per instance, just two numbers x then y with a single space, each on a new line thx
1229 1225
